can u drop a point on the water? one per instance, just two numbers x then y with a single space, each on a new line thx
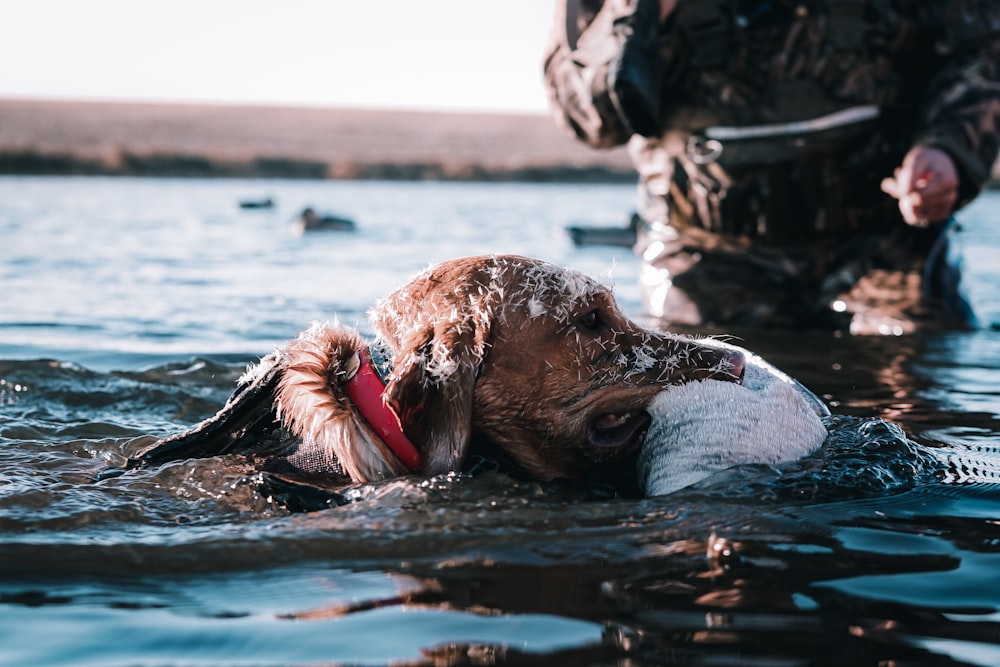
130 306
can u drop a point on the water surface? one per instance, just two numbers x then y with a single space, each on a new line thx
130 307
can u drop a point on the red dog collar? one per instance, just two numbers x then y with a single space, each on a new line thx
366 391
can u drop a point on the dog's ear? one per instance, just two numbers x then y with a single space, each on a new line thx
432 390
438 327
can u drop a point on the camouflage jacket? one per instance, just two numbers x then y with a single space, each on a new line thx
931 69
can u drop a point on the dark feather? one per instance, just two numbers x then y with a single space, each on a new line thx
246 424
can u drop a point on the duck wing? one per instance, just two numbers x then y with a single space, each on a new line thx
246 424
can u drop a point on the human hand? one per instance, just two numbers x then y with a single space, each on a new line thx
926 185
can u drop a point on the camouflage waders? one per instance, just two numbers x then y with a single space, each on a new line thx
773 126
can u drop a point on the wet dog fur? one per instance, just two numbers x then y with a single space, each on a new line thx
536 360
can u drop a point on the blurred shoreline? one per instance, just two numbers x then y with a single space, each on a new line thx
61 137
50 137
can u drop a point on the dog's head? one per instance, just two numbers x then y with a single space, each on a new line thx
537 358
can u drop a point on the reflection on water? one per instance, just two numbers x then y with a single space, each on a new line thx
881 549
856 552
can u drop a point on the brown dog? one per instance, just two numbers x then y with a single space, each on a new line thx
535 359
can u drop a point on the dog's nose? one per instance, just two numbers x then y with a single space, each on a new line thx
728 366
737 365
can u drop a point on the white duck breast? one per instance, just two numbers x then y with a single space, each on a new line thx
701 428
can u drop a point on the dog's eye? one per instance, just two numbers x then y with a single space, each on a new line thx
591 320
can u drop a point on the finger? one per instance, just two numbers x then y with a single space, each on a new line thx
925 209
945 200
908 210
916 207
938 190
904 178
936 205
891 187
923 181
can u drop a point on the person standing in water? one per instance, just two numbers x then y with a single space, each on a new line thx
799 161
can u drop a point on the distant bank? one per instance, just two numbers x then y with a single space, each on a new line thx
55 137
112 138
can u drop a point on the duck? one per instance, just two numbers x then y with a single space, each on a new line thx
309 221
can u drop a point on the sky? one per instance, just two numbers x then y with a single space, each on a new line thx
467 55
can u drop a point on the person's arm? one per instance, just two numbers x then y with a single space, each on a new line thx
959 136
602 69
580 53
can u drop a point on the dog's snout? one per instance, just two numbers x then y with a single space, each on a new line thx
737 364
723 363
